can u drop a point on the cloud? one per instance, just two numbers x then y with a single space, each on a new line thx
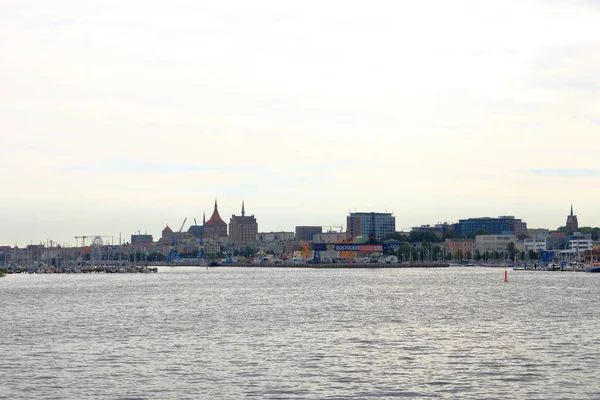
595 121
151 168
567 172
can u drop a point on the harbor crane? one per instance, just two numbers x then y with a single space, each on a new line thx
173 254
82 240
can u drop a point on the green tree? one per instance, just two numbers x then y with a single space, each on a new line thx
511 250
449 235
479 232
533 255
399 236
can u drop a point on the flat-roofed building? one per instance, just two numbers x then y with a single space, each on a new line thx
139 239
490 243
306 233
493 226
535 244
370 224
329 237
461 248
274 236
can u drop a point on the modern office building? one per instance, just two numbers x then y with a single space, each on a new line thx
242 229
306 233
492 226
370 224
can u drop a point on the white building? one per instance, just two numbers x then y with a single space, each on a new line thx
329 237
274 236
536 244
491 243
581 244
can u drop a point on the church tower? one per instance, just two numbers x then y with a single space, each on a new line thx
215 227
572 224
243 229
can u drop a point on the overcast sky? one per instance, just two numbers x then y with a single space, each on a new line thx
125 116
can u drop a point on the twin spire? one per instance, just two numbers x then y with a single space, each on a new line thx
216 211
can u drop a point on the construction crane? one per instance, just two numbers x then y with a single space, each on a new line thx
82 240
173 254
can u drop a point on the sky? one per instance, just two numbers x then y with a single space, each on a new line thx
118 117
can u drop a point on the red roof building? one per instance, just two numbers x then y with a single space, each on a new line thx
215 226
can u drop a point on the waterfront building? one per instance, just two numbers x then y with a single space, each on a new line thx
166 235
306 233
572 225
242 229
536 244
275 236
215 227
330 237
4 254
370 224
493 226
491 243
591 256
580 242
139 239
438 229
557 241
460 248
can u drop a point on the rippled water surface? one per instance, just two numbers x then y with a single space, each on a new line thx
192 333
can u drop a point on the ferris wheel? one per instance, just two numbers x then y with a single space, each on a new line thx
97 241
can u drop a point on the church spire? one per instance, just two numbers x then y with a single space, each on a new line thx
243 211
571 208
203 217
215 204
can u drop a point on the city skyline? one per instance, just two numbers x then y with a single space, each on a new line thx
187 222
125 117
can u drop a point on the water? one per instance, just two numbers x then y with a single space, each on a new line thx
225 333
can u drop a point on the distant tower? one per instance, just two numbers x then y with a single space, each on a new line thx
243 229
572 224
215 227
